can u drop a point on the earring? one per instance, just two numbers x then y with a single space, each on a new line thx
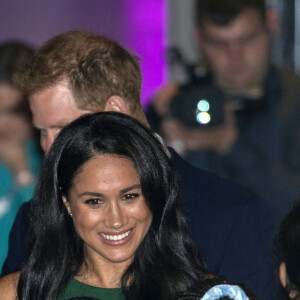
293 294
70 214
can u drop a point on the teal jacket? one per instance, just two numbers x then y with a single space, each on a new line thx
13 195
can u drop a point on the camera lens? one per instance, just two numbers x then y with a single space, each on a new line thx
196 106
203 112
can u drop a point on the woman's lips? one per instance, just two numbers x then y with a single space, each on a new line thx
117 239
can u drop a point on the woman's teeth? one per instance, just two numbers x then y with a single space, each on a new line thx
115 237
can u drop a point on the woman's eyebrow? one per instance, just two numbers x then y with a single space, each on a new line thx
135 186
96 194
91 194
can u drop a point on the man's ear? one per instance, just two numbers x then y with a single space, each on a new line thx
117 104
272 22
66 204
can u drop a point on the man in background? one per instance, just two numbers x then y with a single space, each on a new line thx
78 73
250 133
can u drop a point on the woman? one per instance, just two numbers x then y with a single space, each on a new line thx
287 250
19 150
107 221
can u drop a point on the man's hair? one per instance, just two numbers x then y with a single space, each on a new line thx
223 12
93 66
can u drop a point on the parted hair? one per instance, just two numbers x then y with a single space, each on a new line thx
93 66
224 12
167 261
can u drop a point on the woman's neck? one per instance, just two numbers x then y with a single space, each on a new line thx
99 273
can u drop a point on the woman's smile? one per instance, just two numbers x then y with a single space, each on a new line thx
108 208
117 239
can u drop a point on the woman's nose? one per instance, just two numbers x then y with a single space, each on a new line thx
115 216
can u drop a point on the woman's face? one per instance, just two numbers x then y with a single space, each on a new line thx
108 208
14 126
10 98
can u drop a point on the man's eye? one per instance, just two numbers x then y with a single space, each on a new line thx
94 201
216 44
42 132
57 131
249 39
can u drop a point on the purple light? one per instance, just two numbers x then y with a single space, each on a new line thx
144 28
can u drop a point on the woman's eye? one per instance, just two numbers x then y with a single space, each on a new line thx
131 196
94 201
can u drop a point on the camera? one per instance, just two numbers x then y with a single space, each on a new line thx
197 105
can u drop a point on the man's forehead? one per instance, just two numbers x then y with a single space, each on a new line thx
60 89
54 107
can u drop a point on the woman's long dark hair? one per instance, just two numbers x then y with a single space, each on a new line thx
167 261
287 250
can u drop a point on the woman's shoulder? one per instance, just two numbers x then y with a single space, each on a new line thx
8 286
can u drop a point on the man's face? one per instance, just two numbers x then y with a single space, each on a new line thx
52 109
239 53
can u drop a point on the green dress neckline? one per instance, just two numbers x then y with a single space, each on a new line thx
75 289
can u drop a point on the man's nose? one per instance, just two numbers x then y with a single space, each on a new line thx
47 141
235 51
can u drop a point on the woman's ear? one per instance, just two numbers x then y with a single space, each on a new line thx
66 204
117 104
285 282
282 274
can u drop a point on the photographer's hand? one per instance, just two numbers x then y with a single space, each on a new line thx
163 97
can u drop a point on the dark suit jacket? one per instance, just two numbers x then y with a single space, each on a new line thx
229 223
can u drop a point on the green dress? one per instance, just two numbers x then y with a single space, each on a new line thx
76 288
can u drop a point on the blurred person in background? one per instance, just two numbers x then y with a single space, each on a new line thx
19 152
287 254
241 119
